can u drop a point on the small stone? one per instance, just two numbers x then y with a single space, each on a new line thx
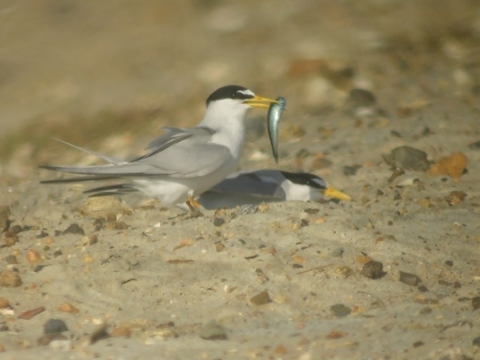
9 278
54 326
116 225
68 308
280 350
73 229
33 257
16 229
342 271
426 310
219 247
475 145
11 259
261 298
111 217
453 165
11 239
476 302
373 270
218 221
121 331
99 333
263 207
247 209
449 263
89 240
4 215
409 279
213 331
360 98
337 252
42 234
62 345
27 315
49 240
340 310
456 197
476 341
102 206
4 303
351 170
407 158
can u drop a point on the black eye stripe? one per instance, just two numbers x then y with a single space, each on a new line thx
305 179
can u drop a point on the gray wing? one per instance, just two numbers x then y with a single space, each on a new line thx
193 155
249 184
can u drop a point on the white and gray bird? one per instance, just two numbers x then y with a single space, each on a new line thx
252 188
184 162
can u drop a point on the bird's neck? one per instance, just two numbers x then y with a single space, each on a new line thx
229 127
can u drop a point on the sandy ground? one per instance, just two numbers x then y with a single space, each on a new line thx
109 76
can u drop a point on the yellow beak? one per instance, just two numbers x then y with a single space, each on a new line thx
260 102
334 193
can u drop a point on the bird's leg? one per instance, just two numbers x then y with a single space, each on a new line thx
193 205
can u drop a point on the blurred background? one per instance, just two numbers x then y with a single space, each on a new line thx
109 74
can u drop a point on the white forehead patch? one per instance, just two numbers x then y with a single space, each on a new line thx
246 92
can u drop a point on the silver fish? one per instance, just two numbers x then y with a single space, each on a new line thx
274 115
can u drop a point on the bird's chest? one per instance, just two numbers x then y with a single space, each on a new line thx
233 137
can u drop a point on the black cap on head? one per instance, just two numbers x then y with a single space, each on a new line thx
305 179
231 92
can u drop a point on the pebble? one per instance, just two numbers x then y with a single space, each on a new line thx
101 206
456 197
63 345
219 247
11 259
453 165
475 145
213 331
409 279
89 240
68 308
338 252
476 302
9 278
476 341
27 315
247 209
218 221
407 158
17 229
4 303
261 298
360 98
342 271
33 257
4 215
10 238
99 333
351 170
121 331
73 229
340 310
373 270
54 326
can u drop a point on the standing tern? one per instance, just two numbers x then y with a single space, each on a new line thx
184 162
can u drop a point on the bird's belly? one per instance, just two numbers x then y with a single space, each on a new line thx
170 192
174 191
